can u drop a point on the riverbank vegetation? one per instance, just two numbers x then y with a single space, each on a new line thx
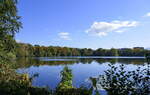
28 50
12 83
118 81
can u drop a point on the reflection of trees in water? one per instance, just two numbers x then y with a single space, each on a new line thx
27 62
121 60
115 81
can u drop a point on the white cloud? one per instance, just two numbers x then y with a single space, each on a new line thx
147 15
64 35
103 28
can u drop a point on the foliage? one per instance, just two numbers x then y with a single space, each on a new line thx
28 50
9 25
12 83
9 19
65 86
7 48
66 80
118 81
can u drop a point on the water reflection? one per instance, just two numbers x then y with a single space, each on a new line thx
82 68
27 62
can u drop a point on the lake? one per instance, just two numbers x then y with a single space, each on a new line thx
48 68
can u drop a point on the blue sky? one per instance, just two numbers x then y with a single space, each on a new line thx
85 23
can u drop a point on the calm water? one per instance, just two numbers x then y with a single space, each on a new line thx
48 68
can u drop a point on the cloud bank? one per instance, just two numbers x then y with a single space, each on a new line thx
103 28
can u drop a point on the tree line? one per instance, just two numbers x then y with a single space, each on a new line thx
28 50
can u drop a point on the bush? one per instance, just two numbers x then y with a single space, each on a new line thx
118 81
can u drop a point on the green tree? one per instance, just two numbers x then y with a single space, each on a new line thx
9 19
9 25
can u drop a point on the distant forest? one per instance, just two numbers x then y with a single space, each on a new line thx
28 50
